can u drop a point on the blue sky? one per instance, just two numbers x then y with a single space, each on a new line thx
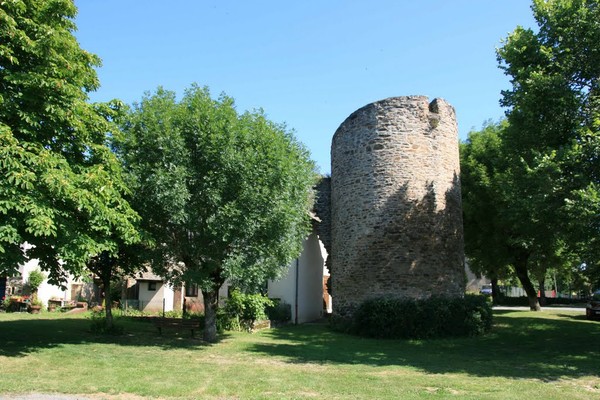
308 63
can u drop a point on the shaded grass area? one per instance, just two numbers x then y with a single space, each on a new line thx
545 346
551 355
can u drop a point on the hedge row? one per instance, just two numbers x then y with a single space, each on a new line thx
436 317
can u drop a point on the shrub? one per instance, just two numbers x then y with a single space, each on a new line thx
35 280
131 312
14 303
242 310
226 322
435 317
279 311
98 324
175 314
5 303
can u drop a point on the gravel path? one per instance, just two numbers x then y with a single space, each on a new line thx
40 396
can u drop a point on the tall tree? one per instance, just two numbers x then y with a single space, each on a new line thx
225 196
552 140
486 232
503 226
110 267
61 187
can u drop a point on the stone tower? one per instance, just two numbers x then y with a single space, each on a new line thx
396 218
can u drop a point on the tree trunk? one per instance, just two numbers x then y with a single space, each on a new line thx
521 271
495 290
542 290
107 303
211 299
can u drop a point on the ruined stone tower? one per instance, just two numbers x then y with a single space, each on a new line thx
396 225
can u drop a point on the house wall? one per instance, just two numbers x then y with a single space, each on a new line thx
168 294
302 286
46 291
152 300
474 282
195 304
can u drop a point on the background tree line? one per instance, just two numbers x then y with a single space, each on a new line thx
192 188
204 194
531 183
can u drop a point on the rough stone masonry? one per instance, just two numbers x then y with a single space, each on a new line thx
396 219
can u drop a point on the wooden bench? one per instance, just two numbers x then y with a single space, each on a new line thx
193 324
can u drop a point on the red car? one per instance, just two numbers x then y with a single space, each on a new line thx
592 310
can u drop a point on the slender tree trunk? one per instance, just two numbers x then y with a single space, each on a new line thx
107 303
521 271
495 290
211 299
107 273
542 290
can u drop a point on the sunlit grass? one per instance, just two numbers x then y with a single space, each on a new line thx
550 355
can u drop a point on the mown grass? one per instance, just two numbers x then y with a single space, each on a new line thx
549 355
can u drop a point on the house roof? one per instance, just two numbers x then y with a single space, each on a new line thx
148 276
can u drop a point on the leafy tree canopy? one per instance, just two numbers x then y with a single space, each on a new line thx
61 188
225 196
554 114
536 178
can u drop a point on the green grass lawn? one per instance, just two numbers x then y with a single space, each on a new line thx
549 355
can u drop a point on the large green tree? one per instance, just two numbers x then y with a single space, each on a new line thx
552 140
225 196
486 240
506 221
61 187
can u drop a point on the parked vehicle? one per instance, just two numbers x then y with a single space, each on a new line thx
486 290
592 310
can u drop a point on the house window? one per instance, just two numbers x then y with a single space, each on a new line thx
191 290
152 286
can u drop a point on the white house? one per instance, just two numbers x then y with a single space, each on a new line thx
303 285
302 288
147 292
73 290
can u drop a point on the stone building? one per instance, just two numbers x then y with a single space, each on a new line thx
395 219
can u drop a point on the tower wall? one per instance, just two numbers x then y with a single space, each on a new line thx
396 222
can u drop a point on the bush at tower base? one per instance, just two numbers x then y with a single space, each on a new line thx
435 317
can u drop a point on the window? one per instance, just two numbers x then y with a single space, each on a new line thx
191 290
152 286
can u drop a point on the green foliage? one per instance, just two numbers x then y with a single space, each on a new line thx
36 302
175 314
553 138
99 325
36 277
483 168
5 303
243 310
279 311
12 303
435 317
530 184
132 312
61 188
528 356
226 322
226 195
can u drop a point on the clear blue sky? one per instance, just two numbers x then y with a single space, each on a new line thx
307 63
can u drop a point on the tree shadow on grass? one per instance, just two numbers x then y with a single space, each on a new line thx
578 317
29 334
529 346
